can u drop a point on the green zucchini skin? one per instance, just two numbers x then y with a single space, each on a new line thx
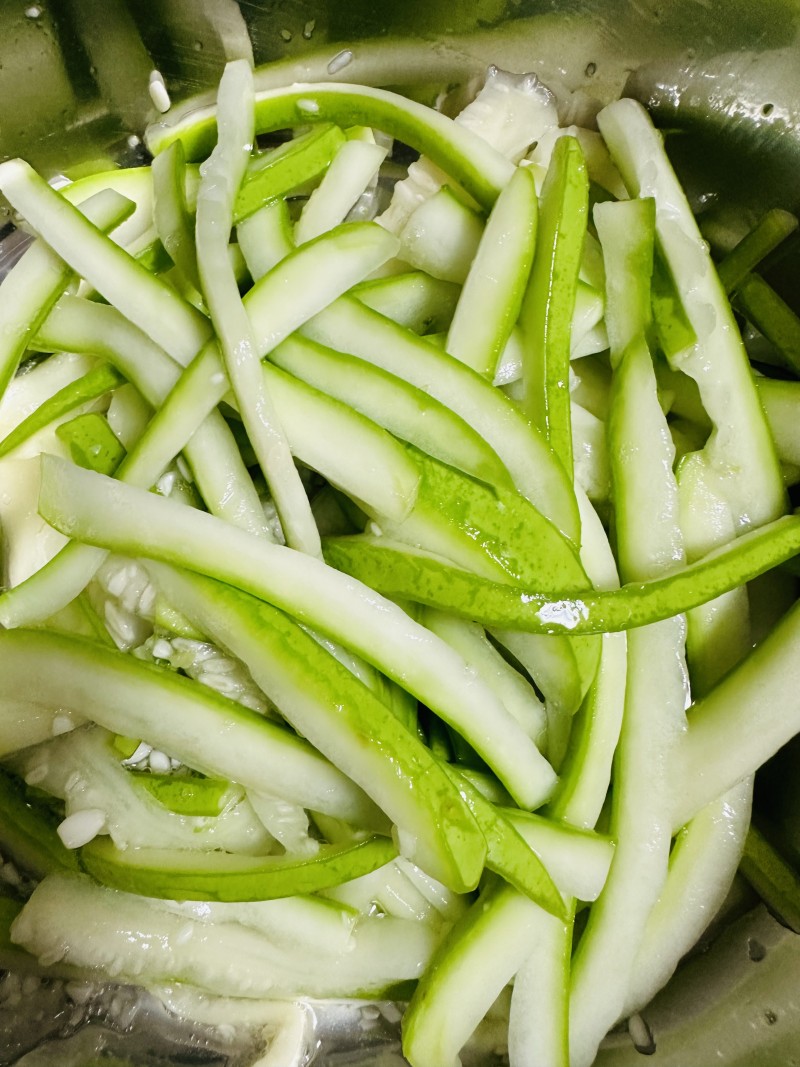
224 876
28 835
478 168
400 571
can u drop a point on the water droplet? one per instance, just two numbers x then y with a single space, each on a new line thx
340 61
158 92
755 950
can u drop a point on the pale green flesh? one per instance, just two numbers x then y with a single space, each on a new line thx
171 217
114 929
393 403
472 512
128 696
39 278
441 237
476 960
342 719
413 299
141 524
538 1025
349 450
493 290
350 327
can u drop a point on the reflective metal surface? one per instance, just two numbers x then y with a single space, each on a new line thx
722 76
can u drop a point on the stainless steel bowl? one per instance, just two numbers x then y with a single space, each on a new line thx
722 76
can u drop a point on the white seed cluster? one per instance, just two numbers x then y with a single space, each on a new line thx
147 758
128 601
207 664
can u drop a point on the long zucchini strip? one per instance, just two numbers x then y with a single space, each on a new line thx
99 509
194 723
739 458
586 771
703 861
142 297
221 178
649 544
349 326
538 1024
751 713
399 571
171 216
228 959
734 482
492 294
39 278
180 874
549 301
406 411
342 719
349 450
476 166
468 971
